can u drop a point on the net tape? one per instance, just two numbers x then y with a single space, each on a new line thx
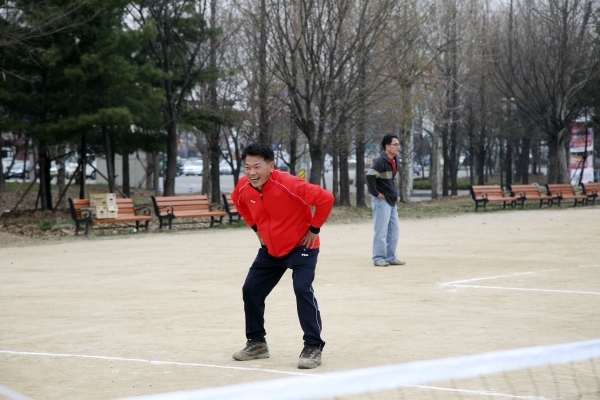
380 378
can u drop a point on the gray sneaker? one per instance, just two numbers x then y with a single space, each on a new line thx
252 351
397 262
309 358
381 263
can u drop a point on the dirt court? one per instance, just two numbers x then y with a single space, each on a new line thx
83 319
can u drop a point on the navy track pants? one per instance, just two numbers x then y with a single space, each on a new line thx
263 276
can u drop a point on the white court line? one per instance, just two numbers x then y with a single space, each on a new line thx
459 283
525 289
155 362
485 278
480 393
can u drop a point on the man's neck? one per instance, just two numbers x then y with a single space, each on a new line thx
389 155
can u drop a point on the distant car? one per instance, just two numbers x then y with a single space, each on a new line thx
416 169
192 167
71 166
17 171
225 168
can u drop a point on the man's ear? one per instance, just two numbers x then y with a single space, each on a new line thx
272 166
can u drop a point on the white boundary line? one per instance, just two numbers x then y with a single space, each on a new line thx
524 289
17 396
460 282
480 393
154 362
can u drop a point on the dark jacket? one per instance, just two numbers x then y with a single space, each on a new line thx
381 179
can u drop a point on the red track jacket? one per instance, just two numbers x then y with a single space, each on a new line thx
282 211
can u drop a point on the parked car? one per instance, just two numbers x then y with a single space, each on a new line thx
18 170
192 167
416 169
71 166
225 168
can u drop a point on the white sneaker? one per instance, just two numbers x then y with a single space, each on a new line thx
397 262
381 263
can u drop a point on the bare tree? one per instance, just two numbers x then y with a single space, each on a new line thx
313 45
553 55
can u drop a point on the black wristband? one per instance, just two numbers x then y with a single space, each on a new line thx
255 228
314 230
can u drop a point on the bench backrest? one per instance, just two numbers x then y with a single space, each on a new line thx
591 188
486 190
125 206
180 203
564 188
520 190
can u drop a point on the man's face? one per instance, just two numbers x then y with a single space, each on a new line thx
393 148
258 171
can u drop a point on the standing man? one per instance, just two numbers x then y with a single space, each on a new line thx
381 182
277 206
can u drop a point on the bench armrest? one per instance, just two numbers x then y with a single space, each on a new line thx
217 207
86 214
169 209
142 210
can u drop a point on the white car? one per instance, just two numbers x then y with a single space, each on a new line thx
192 167
71 166
17 170
225 168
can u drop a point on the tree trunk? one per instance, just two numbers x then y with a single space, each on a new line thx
110 170
60 165
344 169
125 172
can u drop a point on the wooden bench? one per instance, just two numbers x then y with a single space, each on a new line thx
490 193
591 190
529 192
128 212
565 191
230 209
197 206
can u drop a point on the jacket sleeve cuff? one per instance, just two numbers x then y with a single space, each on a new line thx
254 228
314 230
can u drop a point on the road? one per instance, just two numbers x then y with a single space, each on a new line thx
193 184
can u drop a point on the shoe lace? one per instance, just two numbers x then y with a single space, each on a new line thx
251 345
309 352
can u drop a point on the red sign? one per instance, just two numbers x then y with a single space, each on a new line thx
579 135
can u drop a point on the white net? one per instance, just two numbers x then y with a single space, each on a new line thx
566 371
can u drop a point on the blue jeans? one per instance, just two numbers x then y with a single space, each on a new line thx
386 230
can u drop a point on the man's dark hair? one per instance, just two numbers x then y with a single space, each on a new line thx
387 139
259 149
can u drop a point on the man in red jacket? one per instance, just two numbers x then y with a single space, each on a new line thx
277 206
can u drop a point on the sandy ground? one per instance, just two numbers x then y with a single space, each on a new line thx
81 319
